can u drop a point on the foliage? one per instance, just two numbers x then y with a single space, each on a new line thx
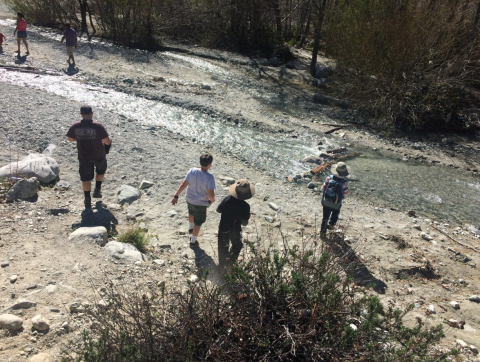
296 306
136 236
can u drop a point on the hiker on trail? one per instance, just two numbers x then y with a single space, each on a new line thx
21 32
93 144
71 36
335 189
2 39
200 187
235 213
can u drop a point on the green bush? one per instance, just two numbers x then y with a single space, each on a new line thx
297 306
136 236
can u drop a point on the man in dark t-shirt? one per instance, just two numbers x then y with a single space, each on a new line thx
70 36
235 213
93 143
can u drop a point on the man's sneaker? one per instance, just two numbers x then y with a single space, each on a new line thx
329 226
192 245
323 236
88 202
97 193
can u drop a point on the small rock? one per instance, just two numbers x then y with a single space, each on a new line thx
13 279
473 349
40 323
411 213
193 278
23 189
102 304
418 227
145 185
474 298
160 262
206 87
76 308
227 180
23 304
171 213
128 194
431 308
311 185
353 326
41 357
455 305
461 343
425 236
10 322
123 251
63 185
269 219
164 246
273 206
5 264
461 281
31 286
59 211
96 234
51 289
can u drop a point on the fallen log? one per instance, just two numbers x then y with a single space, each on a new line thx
337 150
333 130
321 168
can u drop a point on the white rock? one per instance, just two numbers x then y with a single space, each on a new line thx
13 278
124 251
193 278
160 262
455 305
353 326
425 236
23 304
171 213
226 180
473 349
145 184
44 168
273 206
431 308
128 194
102 303
10 322
269 219
474 298
23 189
97 234
51 289
41 357
461 343
76 308
40 323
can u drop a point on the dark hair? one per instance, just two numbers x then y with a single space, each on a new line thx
86 110
206 159
67 25
21 15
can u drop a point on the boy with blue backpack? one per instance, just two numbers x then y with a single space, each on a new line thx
335 189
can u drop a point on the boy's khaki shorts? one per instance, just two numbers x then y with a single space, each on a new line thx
69 50
199 213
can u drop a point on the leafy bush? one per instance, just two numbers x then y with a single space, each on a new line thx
136 236
297 306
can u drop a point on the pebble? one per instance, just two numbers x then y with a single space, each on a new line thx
473 349
31 286
76 307
411 213
160 262
353 326
461 343
13 279
431 308
10 322
171 213
40 323
5 264
425 236
418 227
474 298
273 206
193 278
455 305
311 185
23 304
145 184
269 219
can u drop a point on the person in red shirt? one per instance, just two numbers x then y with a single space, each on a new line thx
93 144
2 38
22 32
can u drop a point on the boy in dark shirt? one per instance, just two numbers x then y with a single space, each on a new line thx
235 213
93 143
71 36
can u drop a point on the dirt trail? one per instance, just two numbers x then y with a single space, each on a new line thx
54 272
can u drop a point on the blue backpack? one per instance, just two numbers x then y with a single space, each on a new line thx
333 193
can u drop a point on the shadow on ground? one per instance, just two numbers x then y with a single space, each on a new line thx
99 216
206 266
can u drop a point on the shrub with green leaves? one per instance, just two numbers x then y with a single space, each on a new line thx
136 236
297 306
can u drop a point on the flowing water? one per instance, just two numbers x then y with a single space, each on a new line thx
384 180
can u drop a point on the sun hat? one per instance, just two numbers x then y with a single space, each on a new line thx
242 190
341 169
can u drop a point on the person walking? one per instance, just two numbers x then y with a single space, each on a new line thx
200 185
93 144
235 214
21 32
70 36
335 189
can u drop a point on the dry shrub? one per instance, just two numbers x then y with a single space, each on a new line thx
293 306
412 63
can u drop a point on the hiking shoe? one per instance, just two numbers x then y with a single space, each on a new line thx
323 235
190 231
330 227
88 202
192 245
97 193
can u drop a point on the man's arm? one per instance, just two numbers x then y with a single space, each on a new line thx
180 189
107 141
70 139
211 196
61 42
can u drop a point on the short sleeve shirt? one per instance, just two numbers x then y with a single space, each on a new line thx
70 37
199 182
1 39
233 212
89 135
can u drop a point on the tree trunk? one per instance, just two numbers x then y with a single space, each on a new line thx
83 14
316 41
477 15
278 17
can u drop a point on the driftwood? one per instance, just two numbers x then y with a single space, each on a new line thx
22 69
346 157
321 168
337 150
335 125
333 130
458 242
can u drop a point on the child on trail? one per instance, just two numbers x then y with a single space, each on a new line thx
93 144
71 36
22 32
235 213
2 38
335 189
200 187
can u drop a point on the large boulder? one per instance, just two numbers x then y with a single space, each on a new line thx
124 251
128 194
23 189
44 168
10 322
97 234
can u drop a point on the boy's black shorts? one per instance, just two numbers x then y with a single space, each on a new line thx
88 168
